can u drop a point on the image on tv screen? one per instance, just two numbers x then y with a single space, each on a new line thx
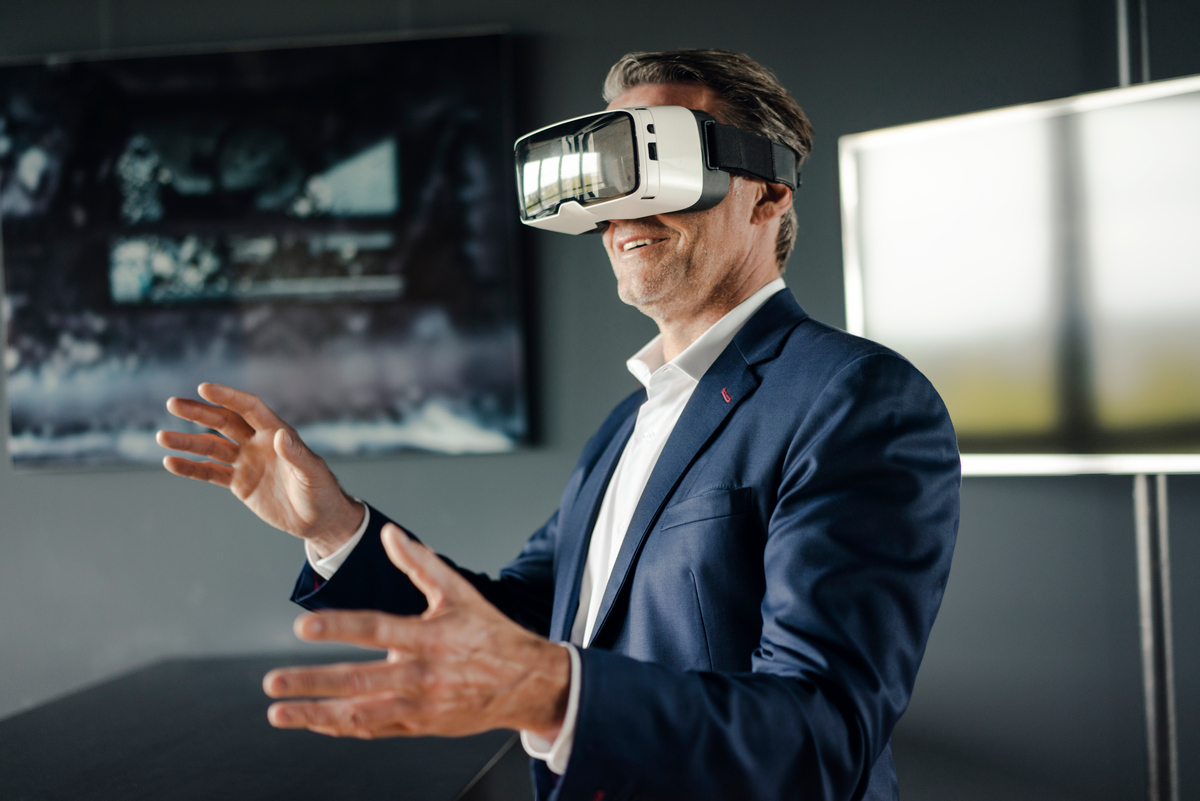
327 226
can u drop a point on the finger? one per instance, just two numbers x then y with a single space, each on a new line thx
424 568
348 679
308 465
250 407
367 718
209 445
223 420
213 472
366 628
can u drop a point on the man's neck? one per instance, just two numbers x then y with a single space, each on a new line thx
683 328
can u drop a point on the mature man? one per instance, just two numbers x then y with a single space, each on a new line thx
746 561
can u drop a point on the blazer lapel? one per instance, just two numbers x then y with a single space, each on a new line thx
721 390
577 531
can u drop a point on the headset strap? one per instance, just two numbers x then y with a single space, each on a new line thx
735 150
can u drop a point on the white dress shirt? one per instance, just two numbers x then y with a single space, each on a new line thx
669 386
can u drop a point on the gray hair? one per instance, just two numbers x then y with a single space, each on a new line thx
751 98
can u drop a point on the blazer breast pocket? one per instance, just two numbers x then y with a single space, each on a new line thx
707 506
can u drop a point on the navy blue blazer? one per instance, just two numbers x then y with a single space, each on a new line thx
770 603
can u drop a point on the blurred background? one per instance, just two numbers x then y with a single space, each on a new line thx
1031 686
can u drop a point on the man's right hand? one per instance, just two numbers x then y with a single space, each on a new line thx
262 461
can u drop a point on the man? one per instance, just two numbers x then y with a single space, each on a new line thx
747 559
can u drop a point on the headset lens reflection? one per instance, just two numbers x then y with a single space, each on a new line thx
587 161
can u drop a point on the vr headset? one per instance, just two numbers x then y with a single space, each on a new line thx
575 176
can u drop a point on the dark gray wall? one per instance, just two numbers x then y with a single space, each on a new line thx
1032 675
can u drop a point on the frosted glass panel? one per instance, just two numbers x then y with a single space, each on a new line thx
1142 238
959 238
1041 265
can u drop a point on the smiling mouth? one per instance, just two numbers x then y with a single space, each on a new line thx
638 243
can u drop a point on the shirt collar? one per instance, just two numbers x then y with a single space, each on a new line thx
697 357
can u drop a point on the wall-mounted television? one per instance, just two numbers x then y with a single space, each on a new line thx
328 225
1041 265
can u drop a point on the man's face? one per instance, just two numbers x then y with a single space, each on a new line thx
678 266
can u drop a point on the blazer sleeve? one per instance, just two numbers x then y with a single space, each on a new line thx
856 561
368 580
524 589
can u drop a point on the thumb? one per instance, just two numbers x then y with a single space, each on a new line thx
296 454
424 568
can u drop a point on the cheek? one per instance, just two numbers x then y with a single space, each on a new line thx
717 228
733 227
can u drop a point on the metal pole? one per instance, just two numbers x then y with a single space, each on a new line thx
1154 603
1144 30
1122 43
1127 39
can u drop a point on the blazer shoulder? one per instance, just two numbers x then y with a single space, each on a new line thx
781 329
815 342
829 366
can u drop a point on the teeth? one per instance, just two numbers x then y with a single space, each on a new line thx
637 243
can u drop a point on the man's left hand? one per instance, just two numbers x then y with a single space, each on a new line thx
461 667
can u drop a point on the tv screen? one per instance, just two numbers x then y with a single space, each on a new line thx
1041 265
330 227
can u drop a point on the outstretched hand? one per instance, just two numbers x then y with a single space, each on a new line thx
461 667
263 462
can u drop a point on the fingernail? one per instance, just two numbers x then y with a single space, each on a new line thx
287 440
315 627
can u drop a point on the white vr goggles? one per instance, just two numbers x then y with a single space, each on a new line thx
575 176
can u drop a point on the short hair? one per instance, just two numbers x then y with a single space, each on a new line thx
751 98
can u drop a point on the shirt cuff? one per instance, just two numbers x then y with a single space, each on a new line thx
556 754
325 568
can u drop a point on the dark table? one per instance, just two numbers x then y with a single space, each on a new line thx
197 729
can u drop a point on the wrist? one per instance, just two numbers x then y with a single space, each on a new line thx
338 528
542 701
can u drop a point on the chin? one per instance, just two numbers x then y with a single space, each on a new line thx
647 302
641 283
629 297
635 286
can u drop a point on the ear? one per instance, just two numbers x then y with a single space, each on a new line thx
772 202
